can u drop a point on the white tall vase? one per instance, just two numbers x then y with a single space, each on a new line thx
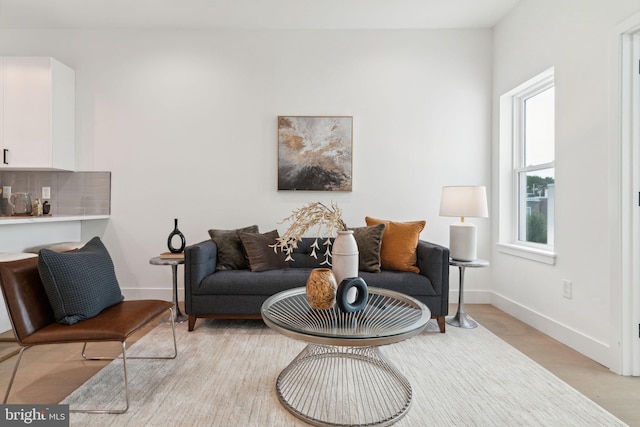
344 256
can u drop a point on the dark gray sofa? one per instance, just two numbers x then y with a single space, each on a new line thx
239 294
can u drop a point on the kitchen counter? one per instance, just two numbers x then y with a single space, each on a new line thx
19 219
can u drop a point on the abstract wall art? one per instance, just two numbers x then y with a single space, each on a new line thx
315 153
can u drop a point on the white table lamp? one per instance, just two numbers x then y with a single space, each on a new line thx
463 201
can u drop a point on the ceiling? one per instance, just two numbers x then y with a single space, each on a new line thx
253 14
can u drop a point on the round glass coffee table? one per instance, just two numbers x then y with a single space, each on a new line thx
341 378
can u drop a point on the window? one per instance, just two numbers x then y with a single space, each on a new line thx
534 166
527 140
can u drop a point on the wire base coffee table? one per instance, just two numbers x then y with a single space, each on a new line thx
341 378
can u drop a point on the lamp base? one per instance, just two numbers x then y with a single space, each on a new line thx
462 241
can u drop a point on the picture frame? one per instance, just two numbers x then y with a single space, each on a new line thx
315 153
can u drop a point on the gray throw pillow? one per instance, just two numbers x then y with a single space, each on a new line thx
262 257
230 252
79 284
369 240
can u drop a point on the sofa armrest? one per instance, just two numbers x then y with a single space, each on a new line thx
199 262
433 262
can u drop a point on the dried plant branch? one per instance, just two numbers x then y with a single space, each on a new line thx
313 215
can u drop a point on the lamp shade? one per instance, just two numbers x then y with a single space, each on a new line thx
462 201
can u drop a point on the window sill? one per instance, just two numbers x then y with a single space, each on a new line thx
533 254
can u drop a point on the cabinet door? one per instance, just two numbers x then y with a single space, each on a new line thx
27 86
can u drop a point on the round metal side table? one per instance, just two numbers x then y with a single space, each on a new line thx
341 378
174 263
461 320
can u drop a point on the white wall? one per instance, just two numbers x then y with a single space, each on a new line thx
186 123
576 38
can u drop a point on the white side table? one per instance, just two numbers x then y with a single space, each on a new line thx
173 262
461 320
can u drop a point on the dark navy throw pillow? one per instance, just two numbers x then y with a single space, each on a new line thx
79 284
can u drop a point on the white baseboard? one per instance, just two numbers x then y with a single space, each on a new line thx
470 297
590 347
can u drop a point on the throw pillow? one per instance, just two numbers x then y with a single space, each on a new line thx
230 252
399 243
79 284
369 240
262 257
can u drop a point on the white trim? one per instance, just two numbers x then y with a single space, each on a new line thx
471 296
534 168
625 155
596 350
10 220
511 156
528 252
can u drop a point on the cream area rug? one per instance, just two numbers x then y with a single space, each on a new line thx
225 375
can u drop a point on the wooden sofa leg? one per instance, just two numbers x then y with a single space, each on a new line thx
192 322
441 323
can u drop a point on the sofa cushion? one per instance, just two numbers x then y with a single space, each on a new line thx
399 242
245 282
262 257
230 253
369 241
404 282
267 283
79 284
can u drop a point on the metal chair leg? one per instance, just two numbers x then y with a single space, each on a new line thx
124 368
91 411
175 347
126 391
13 374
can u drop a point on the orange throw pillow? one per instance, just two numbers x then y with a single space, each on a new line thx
399 243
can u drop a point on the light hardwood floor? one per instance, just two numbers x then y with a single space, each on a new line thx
49 373
617 394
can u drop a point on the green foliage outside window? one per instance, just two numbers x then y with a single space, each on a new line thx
536 228
537 221
536 185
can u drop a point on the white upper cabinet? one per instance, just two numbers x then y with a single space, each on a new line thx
37 114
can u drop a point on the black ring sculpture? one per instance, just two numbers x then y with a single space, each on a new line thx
343 290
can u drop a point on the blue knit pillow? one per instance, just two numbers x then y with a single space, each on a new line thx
79 284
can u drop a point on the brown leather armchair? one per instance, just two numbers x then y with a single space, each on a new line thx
33 320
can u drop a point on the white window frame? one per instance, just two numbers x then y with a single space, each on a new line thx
512 165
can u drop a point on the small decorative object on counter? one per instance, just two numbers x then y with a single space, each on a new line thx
46 207
173 234
37 207
321 289
21 204
345 301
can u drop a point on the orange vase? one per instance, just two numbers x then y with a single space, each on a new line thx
321 289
